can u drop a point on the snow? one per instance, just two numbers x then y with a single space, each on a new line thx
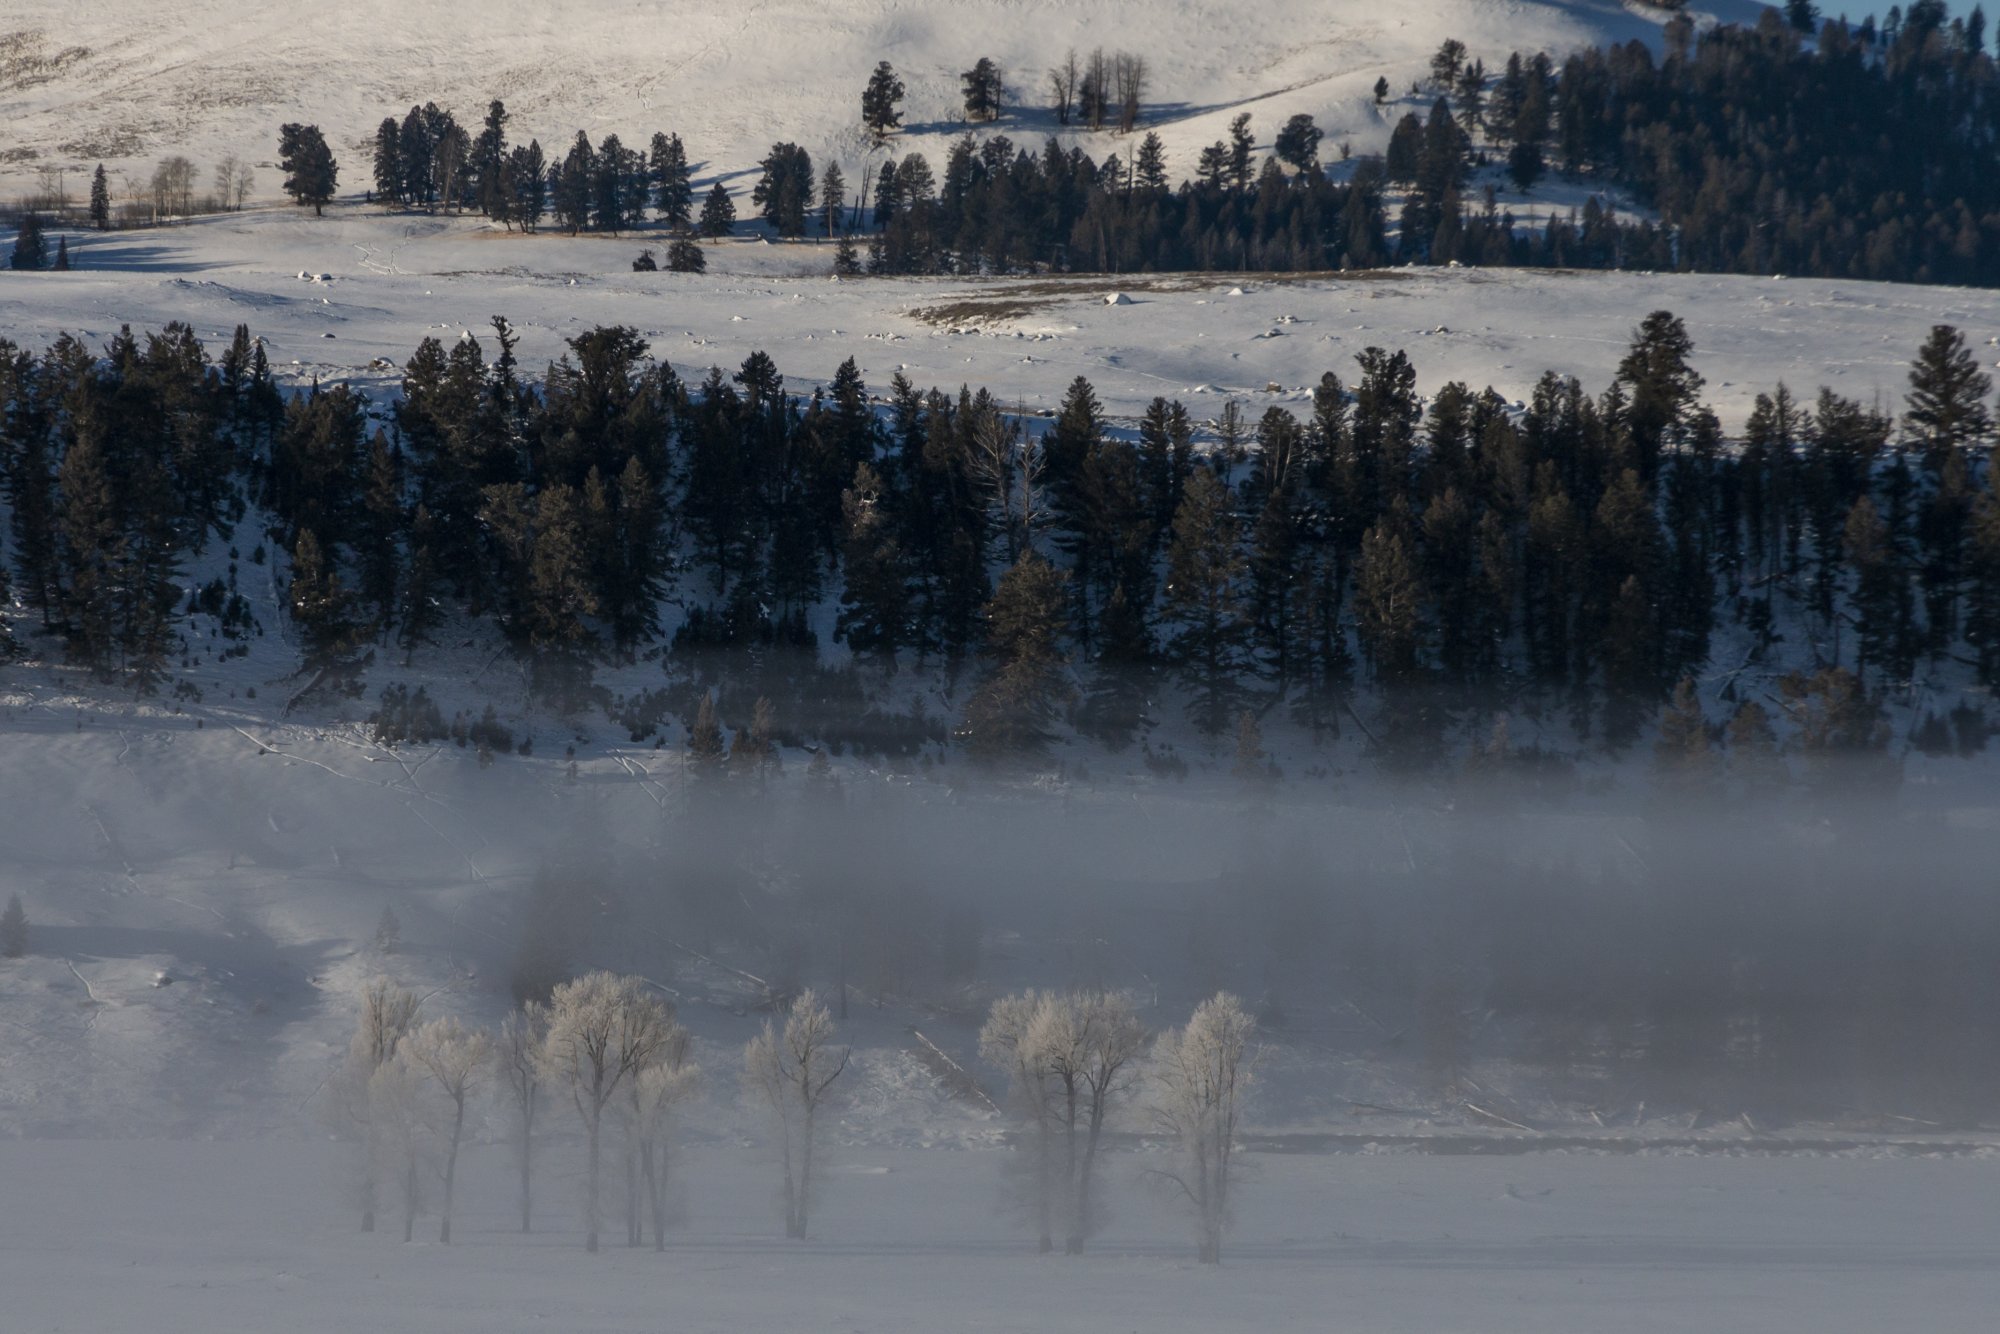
396 279
128 88
202 874
192 1238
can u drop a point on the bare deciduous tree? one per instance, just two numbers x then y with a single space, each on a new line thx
791 1070
518 1055
603 1030
659 1090
397 1135
1004 1042
1089 1039
1130 74
454 1059
387 1013
1199 1074
1071 1055
1063 79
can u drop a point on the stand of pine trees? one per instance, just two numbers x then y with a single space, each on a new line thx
1863 155
1451 561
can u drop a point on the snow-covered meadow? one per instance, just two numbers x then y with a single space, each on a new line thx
205 1238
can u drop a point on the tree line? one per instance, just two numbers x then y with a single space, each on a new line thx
1451 559
611 1051
1858 153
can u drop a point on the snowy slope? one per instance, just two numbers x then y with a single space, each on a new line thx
1200 338
117 81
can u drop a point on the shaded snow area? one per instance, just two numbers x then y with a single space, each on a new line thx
129 88
217 1239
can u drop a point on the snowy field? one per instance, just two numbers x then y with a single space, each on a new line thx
391 281
193 1238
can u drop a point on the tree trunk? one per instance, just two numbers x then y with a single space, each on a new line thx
451 1173
590 1195
527 1190
410 1199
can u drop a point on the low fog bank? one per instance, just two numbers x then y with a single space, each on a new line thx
1418 948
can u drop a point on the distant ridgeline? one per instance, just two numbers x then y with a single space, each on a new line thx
1863 152
1418 572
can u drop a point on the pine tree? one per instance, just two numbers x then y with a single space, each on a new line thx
846 259
880 102
718 213
1389 603
320 604
784 194
100 200
686 256
30 248
983 91
675 192
1297 144
875 602
705 742
389 175
1241 146
832 198
1204 598
1381 90
1947 400
1149 164
311 173
1015 707
13 929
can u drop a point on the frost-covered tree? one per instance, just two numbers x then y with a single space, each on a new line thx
398 1135
657 1094
603 1031
13 929
1089 1040
518 1057
791 1071
1198 1077
1070 1057
1003 1042
451 1062
387 1013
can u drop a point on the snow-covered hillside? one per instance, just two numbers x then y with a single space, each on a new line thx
390 281
117 82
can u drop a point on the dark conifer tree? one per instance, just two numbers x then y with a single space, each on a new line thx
983 91
674 194
686 256
784 194
311 174
30 245
390 177
100 200
1946 407
881 103
1015 708
718 213
1204 600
